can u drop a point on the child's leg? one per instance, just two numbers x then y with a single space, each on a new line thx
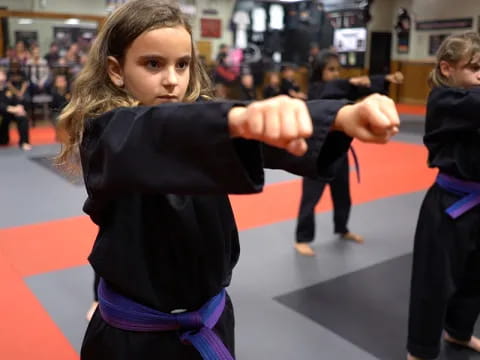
312 190
22 126
431 284
442 247
464 306
342 202
4 129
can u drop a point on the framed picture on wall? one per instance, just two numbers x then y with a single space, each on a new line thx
211 28
402 28
29 38
434 43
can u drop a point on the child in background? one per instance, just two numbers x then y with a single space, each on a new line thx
288 85
273 86
158 163
326 84
247 88
60 95
445 287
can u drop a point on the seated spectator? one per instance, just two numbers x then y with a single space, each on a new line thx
223 76
11 110
21 53
38 72
8 59
17 83
273 86
52 56
288 85
247 88
60 96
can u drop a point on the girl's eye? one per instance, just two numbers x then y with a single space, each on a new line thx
182 65
153 64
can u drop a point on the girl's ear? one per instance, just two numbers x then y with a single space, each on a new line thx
115 72
446 68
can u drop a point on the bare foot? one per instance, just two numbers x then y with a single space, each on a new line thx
92 309
354 237
304 249
411 357
473 343
26 147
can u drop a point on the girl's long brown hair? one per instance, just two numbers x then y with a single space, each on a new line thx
454 49
94 93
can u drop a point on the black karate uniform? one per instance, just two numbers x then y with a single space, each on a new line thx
247 94
59 101
157 180
270 91
445 287
312 189
287 85
6 118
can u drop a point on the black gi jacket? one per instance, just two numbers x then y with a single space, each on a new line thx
342 89
452 132
157 180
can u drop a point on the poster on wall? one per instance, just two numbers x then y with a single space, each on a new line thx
354 39
466 23
211 28
434 43
403 31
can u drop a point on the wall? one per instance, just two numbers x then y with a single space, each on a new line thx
422 10
17 4
97 7
86 7
44 28
381 11
417 63
224 9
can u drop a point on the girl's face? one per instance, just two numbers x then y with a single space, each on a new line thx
331 71
274 80
156 66
61 82
247 81
464 74
3 78
288 74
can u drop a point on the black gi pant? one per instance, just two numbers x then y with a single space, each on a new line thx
104 342
445 287
312 191
22 126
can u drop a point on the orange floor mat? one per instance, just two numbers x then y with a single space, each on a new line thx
412 109
39 135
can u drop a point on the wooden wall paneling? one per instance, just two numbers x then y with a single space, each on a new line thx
205 49
415 88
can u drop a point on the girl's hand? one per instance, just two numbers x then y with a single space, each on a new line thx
395 78
17 110
363 81
374 119
280 121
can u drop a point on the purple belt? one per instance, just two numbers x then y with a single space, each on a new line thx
195 327
356 162
470 192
